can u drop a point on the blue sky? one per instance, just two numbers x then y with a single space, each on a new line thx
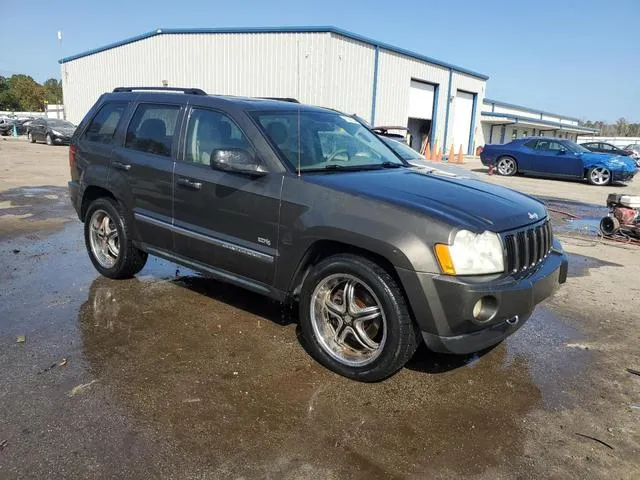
578 58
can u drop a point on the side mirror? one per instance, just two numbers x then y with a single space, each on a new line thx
237 160
562 152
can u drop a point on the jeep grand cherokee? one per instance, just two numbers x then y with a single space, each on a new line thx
303 203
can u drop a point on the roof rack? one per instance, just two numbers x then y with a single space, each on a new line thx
282 99
189 91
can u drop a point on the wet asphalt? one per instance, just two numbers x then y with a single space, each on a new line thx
171 375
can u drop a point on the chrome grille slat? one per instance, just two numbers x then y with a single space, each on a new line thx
527 247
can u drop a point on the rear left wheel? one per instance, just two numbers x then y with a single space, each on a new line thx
107 236
354 319
507 166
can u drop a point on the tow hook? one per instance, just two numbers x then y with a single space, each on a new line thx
513 320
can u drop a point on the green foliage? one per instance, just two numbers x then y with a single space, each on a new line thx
53 91
23 93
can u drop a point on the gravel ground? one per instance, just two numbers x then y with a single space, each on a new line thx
170 375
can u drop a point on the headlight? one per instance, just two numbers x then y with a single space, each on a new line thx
57 133
471 254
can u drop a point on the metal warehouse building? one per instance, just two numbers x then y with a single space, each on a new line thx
323 66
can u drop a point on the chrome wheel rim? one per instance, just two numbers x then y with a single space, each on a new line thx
600 176
49 141
348 320
506 166
103 237
29 136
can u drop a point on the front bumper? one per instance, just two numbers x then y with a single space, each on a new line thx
61 140
443 305
622 176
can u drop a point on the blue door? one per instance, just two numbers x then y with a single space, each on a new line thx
553 158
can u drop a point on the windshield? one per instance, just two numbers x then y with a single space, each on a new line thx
402 149
324 141
54 122
574 147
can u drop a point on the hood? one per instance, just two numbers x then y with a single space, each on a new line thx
459 201
611 161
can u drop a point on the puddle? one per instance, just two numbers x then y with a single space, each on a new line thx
559 208
218 374
588 226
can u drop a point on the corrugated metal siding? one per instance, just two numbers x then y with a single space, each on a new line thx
347 79
395 73
252 64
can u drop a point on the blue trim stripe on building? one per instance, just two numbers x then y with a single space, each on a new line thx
326 29
375 86
520 119
434 116
473 124
446 117
493 103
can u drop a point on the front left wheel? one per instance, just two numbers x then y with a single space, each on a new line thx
49 140
355 320
599 176
107 236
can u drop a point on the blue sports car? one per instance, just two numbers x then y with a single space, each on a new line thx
556 157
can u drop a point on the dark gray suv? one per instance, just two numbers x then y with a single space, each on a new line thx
306 204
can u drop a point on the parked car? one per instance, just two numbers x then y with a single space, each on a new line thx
51 130
419 161
635 148
305 204
554 157
604 147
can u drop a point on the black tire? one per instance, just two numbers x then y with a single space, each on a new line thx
130 259
507 161
599 176
402 334
30 137
49 140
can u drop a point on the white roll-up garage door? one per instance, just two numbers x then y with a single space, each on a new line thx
421 100
462 113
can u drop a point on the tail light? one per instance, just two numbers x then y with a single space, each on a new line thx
72 156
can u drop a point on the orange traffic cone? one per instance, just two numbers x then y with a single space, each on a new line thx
427 151
460 158
439 156
451 158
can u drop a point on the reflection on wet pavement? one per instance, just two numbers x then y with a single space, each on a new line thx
23 209
218 373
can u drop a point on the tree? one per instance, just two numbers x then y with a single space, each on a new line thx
7 99
28 93
53 91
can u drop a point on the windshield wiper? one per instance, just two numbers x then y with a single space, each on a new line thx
354 168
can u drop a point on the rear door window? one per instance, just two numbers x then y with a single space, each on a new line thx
152 129
103 126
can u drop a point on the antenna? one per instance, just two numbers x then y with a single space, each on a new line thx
299 140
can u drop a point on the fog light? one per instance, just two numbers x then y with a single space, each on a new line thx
485 309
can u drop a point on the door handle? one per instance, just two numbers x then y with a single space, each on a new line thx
120 165
187 182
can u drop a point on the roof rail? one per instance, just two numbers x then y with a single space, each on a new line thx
282 99
189 91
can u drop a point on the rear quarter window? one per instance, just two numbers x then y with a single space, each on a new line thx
104 124
152 128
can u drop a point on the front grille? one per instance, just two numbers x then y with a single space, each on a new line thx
527 247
